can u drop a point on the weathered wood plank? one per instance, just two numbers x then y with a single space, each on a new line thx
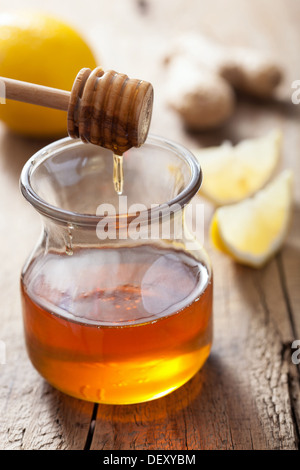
244 399
35 416
32 414
247 395
240 400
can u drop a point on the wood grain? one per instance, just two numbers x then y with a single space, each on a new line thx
35 94
247 395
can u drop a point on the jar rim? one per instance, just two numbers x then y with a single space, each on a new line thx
65 216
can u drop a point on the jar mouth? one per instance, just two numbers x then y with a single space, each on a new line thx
62 215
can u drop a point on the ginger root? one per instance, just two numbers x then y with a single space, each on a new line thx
201 98
204 73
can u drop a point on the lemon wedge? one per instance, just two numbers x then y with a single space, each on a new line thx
232 173
253 230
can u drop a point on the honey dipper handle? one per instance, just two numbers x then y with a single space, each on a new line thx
36 94
104 108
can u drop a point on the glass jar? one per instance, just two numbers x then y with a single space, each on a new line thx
117 294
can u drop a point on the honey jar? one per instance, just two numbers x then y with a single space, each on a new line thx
116 295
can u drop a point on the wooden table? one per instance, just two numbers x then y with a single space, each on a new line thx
247 395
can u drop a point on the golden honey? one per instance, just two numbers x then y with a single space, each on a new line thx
97 337
118 175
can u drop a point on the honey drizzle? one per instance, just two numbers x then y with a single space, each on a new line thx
118 174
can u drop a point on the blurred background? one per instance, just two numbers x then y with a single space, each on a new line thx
133 37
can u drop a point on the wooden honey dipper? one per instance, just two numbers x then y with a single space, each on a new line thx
104 108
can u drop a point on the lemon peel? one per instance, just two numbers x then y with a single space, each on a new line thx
253 230
39 48
232 173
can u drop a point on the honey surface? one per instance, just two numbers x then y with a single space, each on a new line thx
96 337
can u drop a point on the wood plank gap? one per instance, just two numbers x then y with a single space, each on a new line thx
286 294
294 394
90 434
293 376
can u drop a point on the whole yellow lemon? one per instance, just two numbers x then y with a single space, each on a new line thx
39 48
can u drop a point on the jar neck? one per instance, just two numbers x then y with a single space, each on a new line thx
64 180
169 229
